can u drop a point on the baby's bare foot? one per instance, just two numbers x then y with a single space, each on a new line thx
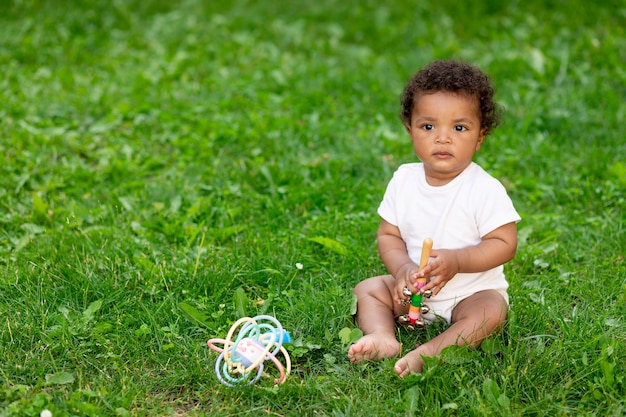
412 362
373 347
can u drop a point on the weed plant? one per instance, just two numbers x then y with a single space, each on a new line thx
168 167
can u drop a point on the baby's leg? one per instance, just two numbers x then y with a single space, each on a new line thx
375 317
473 319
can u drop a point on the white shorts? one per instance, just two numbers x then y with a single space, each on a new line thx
441 309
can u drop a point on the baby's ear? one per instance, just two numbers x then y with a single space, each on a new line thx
481 137
407 126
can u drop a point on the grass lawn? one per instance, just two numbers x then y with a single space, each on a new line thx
168 167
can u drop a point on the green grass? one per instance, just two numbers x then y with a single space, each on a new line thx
155 157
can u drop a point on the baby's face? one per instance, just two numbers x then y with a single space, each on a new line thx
445 129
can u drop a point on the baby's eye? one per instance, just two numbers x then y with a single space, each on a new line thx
428 126
459 128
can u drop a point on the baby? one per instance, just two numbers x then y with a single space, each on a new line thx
447 110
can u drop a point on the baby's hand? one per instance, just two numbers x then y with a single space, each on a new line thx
442 269
406 277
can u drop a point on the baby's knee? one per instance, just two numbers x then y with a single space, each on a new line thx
373 285
365 287
489 308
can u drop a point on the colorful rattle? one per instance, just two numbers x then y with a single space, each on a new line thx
416 309
255 343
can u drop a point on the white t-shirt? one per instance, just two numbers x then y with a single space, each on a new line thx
455 215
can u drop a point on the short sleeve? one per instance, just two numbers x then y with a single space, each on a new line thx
496 207
387 209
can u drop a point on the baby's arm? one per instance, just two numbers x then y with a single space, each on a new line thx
394 255
496 248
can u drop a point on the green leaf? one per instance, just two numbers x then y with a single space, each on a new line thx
344 335
355 335
40 208
103 328
618 169
193 315
504 401
349 336
126 202
241 300
330 244
144 262
143 330
491 390
122 412
607 371
456 355
353 304
21 242
59 378
92 309
301 346
492 346
32 229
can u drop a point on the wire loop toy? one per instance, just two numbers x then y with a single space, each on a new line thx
258 340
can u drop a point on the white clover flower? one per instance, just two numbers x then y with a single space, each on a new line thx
299 266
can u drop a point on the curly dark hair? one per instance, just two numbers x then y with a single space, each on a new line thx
455 77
